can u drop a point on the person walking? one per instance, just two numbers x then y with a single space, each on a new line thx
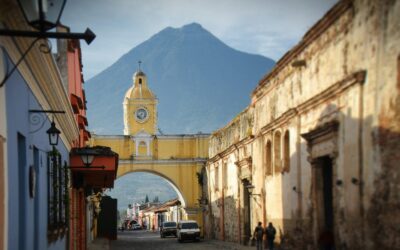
270 231
258 235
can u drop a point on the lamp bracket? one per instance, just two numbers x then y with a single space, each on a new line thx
9 73
38 120
88 36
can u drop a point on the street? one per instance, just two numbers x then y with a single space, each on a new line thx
142 239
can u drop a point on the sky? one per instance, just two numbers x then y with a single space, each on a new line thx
265 27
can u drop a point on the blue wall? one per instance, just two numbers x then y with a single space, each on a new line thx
27 217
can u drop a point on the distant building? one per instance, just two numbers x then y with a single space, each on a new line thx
47 201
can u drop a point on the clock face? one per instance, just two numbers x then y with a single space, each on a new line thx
141 114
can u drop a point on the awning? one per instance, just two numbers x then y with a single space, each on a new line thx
100 173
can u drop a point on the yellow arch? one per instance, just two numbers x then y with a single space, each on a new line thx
176 158
181 174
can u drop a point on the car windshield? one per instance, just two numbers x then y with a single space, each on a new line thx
191 225
170 224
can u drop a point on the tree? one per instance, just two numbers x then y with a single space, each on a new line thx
147 199
156 200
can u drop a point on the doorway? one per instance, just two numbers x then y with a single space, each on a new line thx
246 213
325 210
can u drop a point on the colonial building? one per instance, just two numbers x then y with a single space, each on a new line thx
41 207
316 152
34 208
177 158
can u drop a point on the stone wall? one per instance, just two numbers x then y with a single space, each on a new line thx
327 115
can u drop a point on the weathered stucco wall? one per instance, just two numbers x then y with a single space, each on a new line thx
330 107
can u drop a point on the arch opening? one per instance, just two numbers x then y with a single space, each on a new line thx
159 179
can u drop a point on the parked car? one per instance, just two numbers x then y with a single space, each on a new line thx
168 228
188 229
136 226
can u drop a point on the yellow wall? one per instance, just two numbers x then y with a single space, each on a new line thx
163 147
150 124
175 158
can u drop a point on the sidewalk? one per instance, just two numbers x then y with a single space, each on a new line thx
231 245
99 244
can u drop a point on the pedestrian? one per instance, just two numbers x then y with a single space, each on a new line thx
270 231
258 235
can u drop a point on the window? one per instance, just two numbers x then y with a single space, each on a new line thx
225 175
268 158
216 176
57 191
286 152
277 152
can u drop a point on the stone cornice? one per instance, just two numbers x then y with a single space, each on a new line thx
284 118
182 136
231 148
162 161
233 121
244 162
327 94
316 31
94 136
159 137
332 91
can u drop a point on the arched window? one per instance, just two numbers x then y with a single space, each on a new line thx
225 175
286 152
268 158
216 176
277 152
140 80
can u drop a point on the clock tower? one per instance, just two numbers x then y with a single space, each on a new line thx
140 108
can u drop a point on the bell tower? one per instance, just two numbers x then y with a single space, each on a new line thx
140 107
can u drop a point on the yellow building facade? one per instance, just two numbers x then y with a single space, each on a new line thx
176 158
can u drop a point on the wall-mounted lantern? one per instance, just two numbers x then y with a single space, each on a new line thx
87 158
39 120
54 134
250 188
42 14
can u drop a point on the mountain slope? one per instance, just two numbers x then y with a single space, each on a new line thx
200 82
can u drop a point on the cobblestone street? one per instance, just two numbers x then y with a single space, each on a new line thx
151 240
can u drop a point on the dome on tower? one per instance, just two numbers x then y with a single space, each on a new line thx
139 90
139 73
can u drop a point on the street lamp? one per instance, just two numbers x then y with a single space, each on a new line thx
42 15
53 133
87 158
